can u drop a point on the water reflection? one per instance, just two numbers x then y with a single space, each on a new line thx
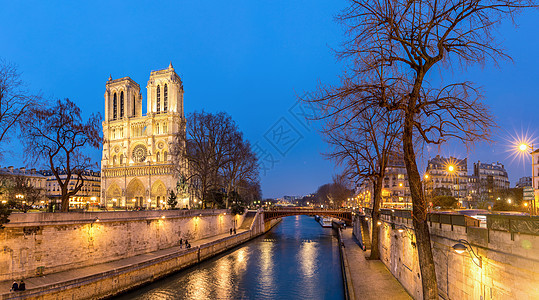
298 259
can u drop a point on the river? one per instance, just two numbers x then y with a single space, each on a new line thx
297 259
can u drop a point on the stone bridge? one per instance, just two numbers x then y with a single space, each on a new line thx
342 214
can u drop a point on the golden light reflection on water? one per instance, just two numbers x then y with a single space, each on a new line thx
295 261
307 258
266 266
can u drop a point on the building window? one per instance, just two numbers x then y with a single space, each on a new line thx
114 160
165 156
165 127
134 107
121 159
114 107
165 98
158 99
122 104
158 156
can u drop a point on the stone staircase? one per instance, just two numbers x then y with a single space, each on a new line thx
249 217
365 234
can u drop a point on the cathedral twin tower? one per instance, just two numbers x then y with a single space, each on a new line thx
136 168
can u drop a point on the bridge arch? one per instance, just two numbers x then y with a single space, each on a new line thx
341 214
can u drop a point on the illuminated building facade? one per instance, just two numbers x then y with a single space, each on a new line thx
137 169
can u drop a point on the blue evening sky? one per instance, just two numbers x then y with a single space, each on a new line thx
248 58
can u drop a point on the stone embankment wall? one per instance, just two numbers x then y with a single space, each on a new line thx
43 243
508 247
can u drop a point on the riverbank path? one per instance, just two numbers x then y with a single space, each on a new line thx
56 279
370 278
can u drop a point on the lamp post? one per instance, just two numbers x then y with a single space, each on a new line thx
523 147
464 245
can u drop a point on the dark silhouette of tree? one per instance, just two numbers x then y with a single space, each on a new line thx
444 201
402 41
362 142
332 195
20 185
57 135
241 166
217 155
171 201
4 215
15 100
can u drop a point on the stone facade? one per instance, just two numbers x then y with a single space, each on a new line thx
450 173
137 168
89 194
510 261
52 242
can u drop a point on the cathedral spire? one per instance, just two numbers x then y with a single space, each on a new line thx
110 77
170 66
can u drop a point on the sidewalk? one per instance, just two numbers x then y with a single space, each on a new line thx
370 278
56 278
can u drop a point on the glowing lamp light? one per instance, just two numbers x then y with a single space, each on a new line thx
400 184
162 217
400 229
459 248
509 201
379 223
526 204
426 176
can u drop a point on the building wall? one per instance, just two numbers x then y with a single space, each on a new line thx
62 241
437 175
136 162
510 265
90 192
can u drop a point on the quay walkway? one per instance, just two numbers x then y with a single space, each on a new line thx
370 279
60 280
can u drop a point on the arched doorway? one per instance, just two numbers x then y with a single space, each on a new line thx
114 196
135 194
159 194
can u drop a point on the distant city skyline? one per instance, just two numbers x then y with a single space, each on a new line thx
249 59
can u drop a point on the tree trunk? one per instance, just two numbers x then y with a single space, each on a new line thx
419 213
377 199
65 201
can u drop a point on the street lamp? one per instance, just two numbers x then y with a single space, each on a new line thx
523 147
464 245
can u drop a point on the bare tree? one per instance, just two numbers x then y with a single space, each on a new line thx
58 135
15 100
208 146
241 166
363 142
334 194
407 39
22 185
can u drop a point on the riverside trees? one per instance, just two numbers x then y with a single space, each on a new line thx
221 163
15 100
405 41
363 142
57 135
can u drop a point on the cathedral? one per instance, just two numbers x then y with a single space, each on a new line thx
137 170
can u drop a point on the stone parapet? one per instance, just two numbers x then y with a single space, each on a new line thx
45 243
509 267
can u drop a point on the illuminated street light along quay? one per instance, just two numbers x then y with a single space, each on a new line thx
298 259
